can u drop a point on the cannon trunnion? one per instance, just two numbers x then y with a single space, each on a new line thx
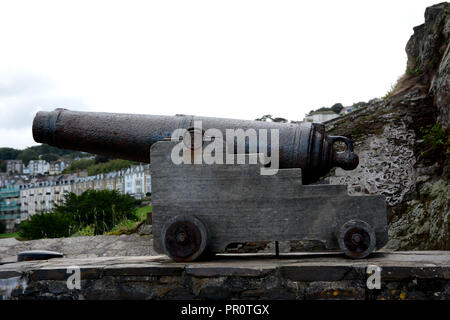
200 208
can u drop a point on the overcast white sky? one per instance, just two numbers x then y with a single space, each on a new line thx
234 59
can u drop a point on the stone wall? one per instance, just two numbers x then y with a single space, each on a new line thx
404 275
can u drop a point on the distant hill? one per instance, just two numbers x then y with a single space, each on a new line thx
43 151
93 166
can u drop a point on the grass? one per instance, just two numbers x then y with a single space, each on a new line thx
142 212
129 226
86 231
390 92
9 235
414 72
126 226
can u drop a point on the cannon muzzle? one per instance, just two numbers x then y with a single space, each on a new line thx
130 136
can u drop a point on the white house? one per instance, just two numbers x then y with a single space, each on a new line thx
137 180
37 167
320 116
42 195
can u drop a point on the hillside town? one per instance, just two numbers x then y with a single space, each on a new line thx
26 190
36 167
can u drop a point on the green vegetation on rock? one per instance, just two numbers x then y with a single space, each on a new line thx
436 143
128 226
436 136
414 72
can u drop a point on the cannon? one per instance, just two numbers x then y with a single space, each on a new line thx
201 208
130 136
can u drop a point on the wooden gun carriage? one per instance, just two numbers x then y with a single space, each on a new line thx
200 209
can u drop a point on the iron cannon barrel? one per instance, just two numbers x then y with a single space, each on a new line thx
130 136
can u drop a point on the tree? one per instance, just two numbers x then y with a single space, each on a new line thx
269 117
43 150
46 225
101 159
9 153
110 166
323 109
337 107
265 118
49 157
100 210
280 120
2 227
81 164
94 168
27 155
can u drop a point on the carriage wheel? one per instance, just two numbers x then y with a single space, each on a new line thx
357 239
184 238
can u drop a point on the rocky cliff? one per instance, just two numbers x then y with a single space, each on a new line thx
403 141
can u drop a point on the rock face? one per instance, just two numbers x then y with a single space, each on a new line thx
403 142
429 53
